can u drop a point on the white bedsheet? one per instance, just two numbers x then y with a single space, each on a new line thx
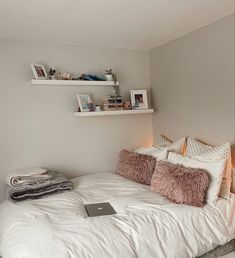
146 224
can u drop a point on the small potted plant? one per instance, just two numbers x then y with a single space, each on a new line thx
109 75
51 74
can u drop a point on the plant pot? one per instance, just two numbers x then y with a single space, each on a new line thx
109 77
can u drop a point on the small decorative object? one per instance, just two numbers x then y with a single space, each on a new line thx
83 101
109 75
51 74
39 71
112 103
66 76
98 108
91 106
89 77
127 105
139 99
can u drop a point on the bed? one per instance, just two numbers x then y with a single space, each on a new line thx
146 224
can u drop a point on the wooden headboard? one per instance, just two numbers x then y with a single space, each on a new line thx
233 181
233 171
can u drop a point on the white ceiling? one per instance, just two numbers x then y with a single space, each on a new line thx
130 24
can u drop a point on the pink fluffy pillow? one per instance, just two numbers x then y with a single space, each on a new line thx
180 184
137 167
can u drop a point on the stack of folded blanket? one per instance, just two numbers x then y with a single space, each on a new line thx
36 183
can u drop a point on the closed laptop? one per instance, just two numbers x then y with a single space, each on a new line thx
99 209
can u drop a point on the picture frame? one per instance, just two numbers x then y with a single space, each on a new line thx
39 71
83 102
139 99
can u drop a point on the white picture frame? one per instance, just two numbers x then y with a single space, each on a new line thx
83 102
39 71
139 99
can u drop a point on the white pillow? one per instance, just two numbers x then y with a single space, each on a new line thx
161 152
155 152
162 141
215 170
200 151
164 144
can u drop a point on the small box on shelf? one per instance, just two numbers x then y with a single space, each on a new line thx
112 103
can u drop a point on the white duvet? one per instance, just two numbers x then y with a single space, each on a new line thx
146 224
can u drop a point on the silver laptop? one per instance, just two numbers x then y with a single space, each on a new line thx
99 209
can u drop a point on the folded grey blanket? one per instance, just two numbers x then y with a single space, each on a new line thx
56 184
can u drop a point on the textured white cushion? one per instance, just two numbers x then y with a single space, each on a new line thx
164 144
162 141
155 152
215 170
200 151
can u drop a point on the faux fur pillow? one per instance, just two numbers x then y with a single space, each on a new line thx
180 184
135 166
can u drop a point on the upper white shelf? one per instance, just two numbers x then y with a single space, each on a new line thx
73 83
117 112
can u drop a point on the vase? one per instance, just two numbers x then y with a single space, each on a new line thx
109 77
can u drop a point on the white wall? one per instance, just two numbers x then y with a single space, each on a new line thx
192 84
37 124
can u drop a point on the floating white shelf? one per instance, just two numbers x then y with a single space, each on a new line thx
73 83
112 113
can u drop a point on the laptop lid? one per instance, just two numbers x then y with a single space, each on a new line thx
99 209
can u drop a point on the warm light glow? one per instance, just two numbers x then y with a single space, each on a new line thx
149 141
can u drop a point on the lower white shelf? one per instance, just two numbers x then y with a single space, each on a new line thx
113 113
72 83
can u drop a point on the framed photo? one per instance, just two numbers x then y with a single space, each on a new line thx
139 99
39 71
83 101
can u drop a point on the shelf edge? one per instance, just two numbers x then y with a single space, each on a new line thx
113 113
71 83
